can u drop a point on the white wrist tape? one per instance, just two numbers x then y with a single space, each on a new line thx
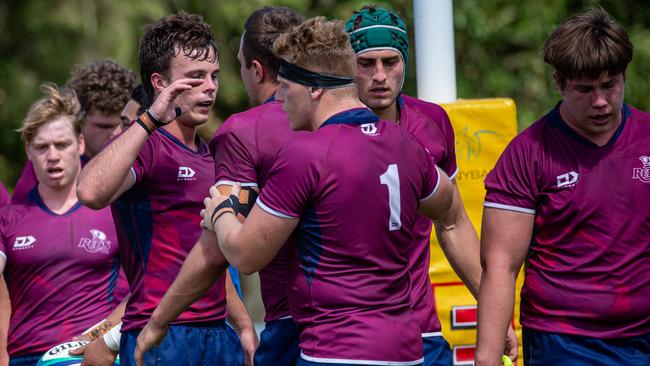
112 338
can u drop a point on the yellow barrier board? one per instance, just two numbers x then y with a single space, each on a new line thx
483 128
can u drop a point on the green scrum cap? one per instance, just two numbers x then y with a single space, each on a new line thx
374 29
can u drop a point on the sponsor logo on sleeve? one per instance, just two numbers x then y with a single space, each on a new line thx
642 174
97 244
567 180
24 242
185 173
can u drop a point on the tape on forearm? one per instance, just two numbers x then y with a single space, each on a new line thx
112 338
98 329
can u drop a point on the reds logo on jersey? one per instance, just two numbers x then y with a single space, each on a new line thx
642 174
97 244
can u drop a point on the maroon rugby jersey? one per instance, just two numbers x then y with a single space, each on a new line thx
589 256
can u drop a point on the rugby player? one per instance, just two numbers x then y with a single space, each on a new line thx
60 259
351 190
155 175
379 38
570 196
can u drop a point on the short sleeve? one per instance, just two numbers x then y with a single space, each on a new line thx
233 151
4 219
430 174
292 181
511 185
448 162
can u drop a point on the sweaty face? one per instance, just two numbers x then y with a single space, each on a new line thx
98 128
592 107
200 99
296 102
54 151
379 78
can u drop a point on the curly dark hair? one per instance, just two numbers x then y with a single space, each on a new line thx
103 85
168 37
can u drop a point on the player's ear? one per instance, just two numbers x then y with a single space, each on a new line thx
82 144
315 93
258 71
558 83
159 82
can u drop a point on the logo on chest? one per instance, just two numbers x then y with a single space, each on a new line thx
642 174
24 242
96 244
567 180
185 173
369 129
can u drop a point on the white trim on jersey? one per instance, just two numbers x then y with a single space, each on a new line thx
285 317
3 255
272 211
453 176
509 208
432 334
360 362
232 183
435 189
134 176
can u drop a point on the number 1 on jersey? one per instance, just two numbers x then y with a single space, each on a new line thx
391 179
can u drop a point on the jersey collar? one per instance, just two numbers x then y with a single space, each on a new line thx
355 117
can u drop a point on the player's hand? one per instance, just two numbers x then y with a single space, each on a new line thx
212 202
249 342
150 336
164 108
512 344
95 353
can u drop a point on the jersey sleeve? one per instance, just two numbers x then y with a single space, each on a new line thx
291 182
233 150
145 160
511 185
448 162
430 174
4 245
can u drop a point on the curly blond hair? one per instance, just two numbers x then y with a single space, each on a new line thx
103 85
57 102
318 45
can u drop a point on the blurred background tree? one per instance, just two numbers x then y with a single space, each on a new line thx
498 49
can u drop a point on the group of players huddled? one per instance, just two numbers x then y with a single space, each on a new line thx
329 188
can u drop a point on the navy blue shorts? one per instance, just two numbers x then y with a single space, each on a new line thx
26 360
436 351
188 345
543 348
278 344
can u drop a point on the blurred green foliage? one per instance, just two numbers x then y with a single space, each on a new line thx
498 49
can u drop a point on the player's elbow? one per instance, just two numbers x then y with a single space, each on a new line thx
89 197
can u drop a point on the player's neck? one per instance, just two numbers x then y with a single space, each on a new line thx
266 91
184 134
390 113
59 200
331 106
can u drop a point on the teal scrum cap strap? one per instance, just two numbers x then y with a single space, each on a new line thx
378 29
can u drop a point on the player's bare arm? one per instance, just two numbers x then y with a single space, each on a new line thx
505 241
108 175
240 320
249 246
437 205
202 267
